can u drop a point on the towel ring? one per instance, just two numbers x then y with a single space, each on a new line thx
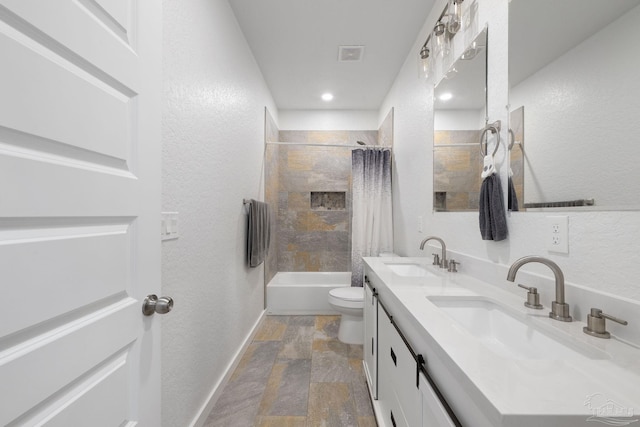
494 128
512 140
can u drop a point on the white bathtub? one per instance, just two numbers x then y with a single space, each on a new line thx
304 293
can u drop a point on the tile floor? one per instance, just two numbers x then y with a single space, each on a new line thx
296 373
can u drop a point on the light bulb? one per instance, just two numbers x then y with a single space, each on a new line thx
455 14
424 63
439 35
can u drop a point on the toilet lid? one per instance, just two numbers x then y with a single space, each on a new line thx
348 293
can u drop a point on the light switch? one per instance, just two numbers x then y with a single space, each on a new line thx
169 225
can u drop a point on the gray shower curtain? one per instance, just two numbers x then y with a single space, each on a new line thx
371 224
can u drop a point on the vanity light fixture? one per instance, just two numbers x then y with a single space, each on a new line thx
446 27
445 96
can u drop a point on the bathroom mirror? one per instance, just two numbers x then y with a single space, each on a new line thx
459 117
574 103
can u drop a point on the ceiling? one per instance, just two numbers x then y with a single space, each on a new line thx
540 31
296 43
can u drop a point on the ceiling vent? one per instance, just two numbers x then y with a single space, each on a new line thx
350 53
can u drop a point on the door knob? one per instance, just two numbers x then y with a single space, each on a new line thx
153 304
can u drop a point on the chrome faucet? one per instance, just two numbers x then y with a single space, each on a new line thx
559 309
443 263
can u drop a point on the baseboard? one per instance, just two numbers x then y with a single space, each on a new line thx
205 410
313 312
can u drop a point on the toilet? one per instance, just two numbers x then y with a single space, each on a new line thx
349 302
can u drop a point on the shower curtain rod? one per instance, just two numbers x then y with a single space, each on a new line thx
312 144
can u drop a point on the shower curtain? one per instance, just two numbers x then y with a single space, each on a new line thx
371 223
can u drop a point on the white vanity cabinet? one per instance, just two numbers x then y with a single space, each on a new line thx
370 349
399 397
402 395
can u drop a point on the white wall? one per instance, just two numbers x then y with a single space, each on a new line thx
328 119
604 253
458 119
213 135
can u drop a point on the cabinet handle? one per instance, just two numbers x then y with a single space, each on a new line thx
393 421
393 357
371 345
419 363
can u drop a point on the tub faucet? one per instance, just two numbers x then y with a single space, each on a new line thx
443 263
559 309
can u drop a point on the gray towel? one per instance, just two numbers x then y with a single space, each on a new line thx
493 221
258 233
512 200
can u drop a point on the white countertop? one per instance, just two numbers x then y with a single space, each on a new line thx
515 390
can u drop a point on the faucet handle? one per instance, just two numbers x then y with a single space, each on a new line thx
596 323
453 266
533 297
436 259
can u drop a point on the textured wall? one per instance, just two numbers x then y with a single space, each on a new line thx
385 131
575 108
603 246
213 139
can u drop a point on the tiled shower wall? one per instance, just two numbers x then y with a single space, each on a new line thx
305 238
456 170
315 239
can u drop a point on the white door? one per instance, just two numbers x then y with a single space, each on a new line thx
79 212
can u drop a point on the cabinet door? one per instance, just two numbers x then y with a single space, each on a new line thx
386 386
371 338
396 376
433 412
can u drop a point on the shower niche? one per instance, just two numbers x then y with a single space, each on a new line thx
328 200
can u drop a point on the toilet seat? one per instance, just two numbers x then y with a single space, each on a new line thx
347 296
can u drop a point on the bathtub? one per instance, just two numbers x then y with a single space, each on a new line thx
304 293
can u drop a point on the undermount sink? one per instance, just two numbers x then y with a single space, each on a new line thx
409 270
512 334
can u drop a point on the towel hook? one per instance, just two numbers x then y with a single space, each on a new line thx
495 129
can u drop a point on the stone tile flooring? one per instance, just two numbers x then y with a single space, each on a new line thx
296 373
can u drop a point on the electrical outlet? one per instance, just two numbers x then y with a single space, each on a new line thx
557 234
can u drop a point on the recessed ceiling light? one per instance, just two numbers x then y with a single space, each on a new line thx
446 96
327 96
